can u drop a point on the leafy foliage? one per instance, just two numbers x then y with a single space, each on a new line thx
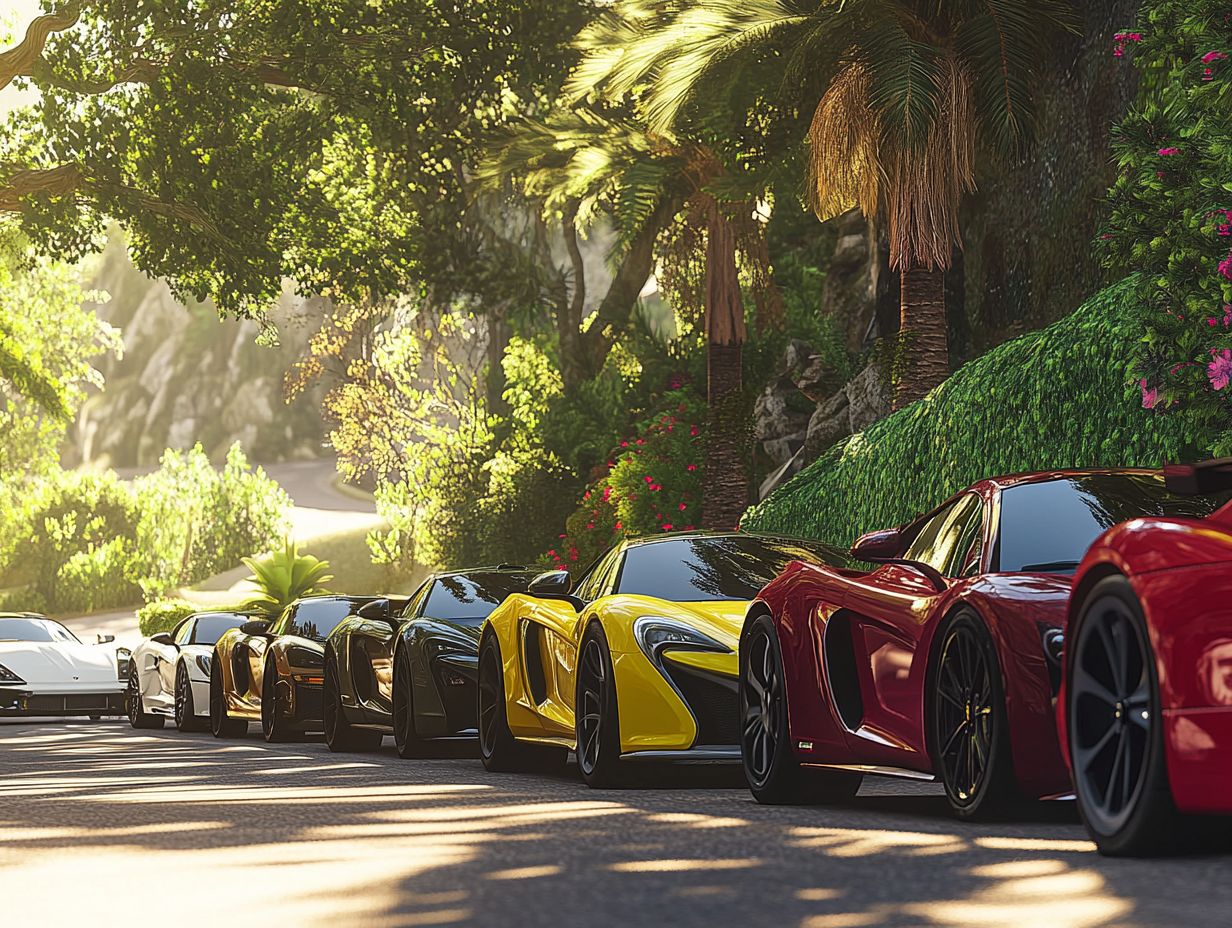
163 615
1171 210
1050 399
284 576
653 484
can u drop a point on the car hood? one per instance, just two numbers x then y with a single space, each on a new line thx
59 662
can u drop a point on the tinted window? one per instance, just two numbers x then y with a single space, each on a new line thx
209 628
600 571
184 630
1047 527
947 538
472 596
34 630
725 567
317 618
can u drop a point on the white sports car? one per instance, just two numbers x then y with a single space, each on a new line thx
170 672
46 670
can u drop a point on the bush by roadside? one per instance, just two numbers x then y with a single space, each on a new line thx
163 615
1059 397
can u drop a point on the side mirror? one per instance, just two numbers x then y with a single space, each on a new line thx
878 546
1199 479
552 584
106 639
163 638
376 611
255 627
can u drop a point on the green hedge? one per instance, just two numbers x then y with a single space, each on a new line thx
1057 397
163 615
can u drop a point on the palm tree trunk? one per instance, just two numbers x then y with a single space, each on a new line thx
924 358
727 480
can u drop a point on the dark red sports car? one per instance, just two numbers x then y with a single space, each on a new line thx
942 660
1147 700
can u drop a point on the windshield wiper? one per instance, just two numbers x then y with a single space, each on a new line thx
1048 567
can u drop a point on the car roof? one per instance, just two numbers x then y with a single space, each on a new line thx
1045 476
676 536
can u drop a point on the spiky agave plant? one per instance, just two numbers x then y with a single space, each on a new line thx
284 576
900 92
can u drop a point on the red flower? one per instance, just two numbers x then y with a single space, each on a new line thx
682 507
667 526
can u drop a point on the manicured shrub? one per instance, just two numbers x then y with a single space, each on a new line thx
163 615
1171 209
1057 397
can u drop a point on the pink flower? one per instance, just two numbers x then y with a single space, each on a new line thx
1212 322
667 526
1225 266
1219 371
690 467
1150 395
682 507
607 494
1211 57
1168 152
1227 316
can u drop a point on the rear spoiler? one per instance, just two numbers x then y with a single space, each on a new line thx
1213 476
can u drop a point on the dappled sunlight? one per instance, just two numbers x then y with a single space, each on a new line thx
853 842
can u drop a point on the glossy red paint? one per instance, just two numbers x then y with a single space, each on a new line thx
1181 571
886 620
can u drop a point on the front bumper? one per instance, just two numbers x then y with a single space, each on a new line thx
16 703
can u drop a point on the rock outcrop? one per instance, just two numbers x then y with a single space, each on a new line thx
186 377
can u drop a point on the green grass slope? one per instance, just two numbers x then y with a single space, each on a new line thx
1057 397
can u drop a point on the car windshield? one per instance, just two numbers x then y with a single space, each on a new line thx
1047 527
26 629
720 567
474 595
210 627
316 618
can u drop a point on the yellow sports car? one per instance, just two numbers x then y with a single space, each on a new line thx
637 660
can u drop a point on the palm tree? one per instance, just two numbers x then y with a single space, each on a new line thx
900 92
585 162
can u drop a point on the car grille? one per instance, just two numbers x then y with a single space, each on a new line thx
712 700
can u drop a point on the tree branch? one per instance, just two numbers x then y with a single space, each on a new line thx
18 60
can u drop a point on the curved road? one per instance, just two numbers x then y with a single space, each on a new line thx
102 825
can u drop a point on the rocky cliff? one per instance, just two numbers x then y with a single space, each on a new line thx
186 377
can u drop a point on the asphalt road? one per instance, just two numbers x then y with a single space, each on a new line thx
102 825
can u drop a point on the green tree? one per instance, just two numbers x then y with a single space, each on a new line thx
899 92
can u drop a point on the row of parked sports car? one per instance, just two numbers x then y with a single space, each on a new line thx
1033 637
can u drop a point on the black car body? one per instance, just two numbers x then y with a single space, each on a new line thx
412 672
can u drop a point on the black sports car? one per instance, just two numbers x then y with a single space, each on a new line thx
412 673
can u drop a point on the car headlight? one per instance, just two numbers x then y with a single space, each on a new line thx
303 657
655 634
8 678
203 663
124 663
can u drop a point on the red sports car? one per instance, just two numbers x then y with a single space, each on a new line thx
1146 707
940 662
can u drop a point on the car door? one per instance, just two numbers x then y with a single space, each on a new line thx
890 611
169 659
550 633
158 668
249 657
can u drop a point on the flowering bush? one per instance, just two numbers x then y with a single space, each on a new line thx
653 484
1171 214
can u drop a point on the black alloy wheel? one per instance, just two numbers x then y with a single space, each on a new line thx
771 766
274 725
1115 732
185 709
137 716
970 737
498 748
597 714
406 739
221 724
340 735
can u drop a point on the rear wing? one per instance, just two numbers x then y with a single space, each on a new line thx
1209 477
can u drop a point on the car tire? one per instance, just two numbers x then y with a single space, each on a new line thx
771 766
185 710
499 750
137 716
968 726
275 727
597 715
406 738
221 724
340 735
1115 732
